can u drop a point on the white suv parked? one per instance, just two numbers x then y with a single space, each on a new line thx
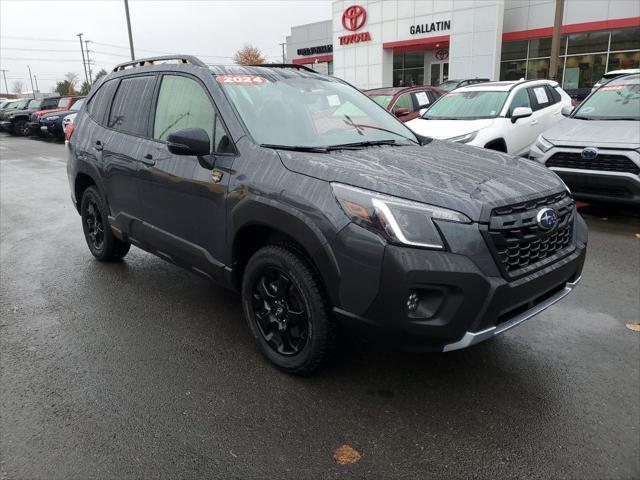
504 116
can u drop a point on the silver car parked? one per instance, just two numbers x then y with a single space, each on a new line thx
596 150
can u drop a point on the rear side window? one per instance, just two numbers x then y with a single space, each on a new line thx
539 97
131 105
422 99
98 106
554 94
183 103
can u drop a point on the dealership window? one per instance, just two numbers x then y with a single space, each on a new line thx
584 57
408 69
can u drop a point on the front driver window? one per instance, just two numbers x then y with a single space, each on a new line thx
520 99
404 101
183 103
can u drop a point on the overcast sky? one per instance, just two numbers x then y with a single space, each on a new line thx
42 34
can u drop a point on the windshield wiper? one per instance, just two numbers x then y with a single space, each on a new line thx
579 117
357 145
296 148
360 126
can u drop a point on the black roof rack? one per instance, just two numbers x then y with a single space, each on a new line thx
147 62
285 65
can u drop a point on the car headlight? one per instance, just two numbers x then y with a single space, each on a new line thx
55 117
399 221
466 138
543 144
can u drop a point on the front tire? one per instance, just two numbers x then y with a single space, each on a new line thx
287 311
21 128
97 231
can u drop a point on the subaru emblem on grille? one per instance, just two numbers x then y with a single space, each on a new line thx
589 153
547 218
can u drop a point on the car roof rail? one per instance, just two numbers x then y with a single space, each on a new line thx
285 65
150 61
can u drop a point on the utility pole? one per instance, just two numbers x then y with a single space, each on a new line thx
84 65
31 79
4 74
36 80
86 43
555 40
283 59
126 9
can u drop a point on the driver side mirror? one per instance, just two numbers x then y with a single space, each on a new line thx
401 112
566 111
189 141
520 112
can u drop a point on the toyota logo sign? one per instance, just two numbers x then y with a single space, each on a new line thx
354 17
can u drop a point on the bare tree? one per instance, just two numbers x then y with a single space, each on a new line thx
17 87
248 55
71 77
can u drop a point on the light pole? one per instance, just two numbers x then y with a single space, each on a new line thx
126 9
4 74
36 80
84 65
86 43
283 59
555 40
31 79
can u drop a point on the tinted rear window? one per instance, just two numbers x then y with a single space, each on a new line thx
131 105
99 103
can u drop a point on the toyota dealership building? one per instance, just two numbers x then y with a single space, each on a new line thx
406 42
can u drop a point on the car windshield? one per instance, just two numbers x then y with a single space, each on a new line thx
620 101
35 103
20 104
382 100
471 104
77 105
308 112
448 86
64 102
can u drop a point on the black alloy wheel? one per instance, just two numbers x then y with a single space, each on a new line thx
95 225
279 312
22 128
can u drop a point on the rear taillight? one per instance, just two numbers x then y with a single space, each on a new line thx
68 131
573 102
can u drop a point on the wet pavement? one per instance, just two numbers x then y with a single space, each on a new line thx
140 369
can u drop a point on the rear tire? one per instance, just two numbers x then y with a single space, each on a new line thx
102 243
287 311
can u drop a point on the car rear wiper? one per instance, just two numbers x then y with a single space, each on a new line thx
296 148
357 145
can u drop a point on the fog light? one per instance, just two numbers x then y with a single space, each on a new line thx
412 302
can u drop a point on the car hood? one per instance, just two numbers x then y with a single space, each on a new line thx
443 129
582 133
59 113
467 179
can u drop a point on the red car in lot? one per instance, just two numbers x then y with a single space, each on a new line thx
406 103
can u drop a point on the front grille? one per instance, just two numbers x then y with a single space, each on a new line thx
605 162
517 242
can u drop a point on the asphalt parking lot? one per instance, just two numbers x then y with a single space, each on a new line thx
141 370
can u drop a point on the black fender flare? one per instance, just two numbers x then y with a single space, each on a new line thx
264 212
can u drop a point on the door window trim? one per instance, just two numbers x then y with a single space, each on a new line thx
154 105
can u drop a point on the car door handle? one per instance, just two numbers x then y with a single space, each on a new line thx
534 122
99 145
148 160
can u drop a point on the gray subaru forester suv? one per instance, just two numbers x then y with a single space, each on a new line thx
320 207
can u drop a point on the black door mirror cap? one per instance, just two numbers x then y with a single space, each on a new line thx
189 141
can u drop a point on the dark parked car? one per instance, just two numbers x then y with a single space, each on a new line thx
450 85
20 104
406 103
319 207
51 123
17 122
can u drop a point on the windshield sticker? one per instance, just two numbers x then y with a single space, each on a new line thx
611 88
541 95
241 79
334 100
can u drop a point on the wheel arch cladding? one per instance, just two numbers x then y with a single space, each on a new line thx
256 224
82 182
498 144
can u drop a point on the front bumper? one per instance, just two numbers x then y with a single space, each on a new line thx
596 185
462 298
